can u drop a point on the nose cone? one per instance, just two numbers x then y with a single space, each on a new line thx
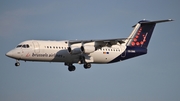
9 54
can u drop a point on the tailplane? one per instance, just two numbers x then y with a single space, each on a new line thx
142 33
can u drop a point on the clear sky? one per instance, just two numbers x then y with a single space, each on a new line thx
152 77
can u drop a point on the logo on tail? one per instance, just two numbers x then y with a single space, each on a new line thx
136 40
142 37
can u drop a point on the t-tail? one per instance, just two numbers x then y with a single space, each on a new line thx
142 33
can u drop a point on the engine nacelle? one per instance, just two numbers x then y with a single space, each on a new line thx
88 49
74 50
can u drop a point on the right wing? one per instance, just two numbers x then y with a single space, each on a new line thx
101 42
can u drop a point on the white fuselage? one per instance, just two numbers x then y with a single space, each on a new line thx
56 51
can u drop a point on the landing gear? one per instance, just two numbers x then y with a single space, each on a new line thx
17 63
87 65
71 68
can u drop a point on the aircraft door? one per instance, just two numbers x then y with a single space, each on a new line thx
123 54
123 49
36 47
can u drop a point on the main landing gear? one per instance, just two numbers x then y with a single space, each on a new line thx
87 65
71 67
17 63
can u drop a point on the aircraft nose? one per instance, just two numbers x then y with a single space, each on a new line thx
9 54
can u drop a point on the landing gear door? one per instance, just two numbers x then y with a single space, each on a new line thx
36 47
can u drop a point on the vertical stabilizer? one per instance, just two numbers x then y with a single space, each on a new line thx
142 33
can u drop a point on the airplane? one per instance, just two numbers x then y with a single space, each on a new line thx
87 52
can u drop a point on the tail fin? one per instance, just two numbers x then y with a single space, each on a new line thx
142 33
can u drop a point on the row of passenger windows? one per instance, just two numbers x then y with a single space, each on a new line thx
103 49
23 46
109 49
55 47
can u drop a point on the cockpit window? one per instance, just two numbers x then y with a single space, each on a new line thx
23 46
18 46
27 46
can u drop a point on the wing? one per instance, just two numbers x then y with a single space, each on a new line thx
101 42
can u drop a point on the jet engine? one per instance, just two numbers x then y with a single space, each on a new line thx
74 50
88 49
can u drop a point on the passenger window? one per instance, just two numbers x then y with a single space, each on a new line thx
47 46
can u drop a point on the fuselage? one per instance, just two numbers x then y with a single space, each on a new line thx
56 51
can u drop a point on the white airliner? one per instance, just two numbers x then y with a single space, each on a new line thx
87 51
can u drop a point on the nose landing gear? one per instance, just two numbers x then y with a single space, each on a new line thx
17 63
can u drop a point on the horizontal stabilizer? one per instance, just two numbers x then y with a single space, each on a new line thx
158 21
150 22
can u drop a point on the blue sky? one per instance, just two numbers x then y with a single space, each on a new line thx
152 77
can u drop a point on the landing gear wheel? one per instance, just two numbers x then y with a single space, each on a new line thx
17 64
71 68
87 65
